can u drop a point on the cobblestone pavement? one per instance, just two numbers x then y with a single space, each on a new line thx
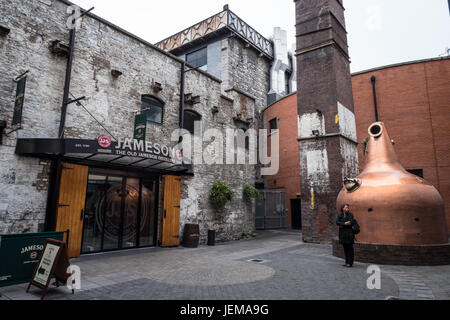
275 265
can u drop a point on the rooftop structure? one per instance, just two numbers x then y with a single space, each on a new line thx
222 23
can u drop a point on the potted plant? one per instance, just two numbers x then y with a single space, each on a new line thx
220 194
251 192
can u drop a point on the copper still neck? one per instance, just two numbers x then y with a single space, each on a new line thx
381 155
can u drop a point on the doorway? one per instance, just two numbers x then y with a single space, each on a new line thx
270 210
120 212
296 214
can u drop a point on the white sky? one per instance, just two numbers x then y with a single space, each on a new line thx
380 32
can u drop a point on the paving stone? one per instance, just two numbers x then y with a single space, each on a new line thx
295 272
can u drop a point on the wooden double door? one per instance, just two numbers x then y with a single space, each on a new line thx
111 211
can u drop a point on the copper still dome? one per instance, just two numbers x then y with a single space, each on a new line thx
391 205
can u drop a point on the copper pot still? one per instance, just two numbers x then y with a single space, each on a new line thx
391 205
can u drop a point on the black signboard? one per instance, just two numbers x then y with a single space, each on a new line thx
53 261
140 126
123 147
20 95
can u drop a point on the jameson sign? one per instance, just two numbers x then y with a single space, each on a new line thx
124 147
143 149
140 126
19 254
53 262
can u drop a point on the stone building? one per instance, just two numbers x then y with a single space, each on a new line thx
71 154
252 68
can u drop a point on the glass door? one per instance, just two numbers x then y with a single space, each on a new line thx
112 213
149 207
120 213
130 213
92 229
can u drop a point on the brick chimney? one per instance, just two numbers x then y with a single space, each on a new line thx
327 129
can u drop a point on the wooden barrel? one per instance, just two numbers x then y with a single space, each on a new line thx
191 235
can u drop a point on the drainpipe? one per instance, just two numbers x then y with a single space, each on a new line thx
183 73
68 76
67 84
374 79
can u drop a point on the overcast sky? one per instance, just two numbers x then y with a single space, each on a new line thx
380 32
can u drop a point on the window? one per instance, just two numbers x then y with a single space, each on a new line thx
197 58
189 119
247 140
273 124
417 172
154 109
287 77
20 96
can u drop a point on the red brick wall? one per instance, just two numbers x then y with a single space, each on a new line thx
288 177
414 103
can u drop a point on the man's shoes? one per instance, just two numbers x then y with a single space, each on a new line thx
344 265
349 265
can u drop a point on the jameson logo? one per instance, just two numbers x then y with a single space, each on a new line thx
31 248
140 148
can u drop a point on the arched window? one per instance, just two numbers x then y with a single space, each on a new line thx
190 117
154 108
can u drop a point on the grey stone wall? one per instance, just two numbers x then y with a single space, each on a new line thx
243 68
101 47
23 181
236 219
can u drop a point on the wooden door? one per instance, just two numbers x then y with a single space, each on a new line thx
72 198
170 236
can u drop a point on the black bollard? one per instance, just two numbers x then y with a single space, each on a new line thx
211 237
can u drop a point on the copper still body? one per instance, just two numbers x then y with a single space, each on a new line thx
391 205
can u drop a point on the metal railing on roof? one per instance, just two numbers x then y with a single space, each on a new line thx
225 19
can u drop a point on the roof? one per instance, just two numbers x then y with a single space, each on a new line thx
221 23
400 64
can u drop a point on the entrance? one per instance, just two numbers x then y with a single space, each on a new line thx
270 210
296 214
120 212
105 210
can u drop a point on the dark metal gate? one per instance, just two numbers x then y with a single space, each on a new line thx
271 211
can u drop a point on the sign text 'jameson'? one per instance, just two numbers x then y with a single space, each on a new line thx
144 149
